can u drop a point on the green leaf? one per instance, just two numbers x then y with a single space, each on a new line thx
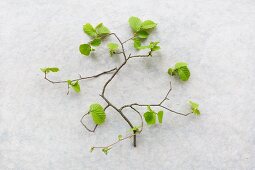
142 34
194 105
105 150
150 117
101 29
180 64
120 137
95 42
49 69
89 30
196 112
154 46
160 116
148 24
85 49
113 47
135 23
194 108
97 113
183 73
137 43
75 85
170 71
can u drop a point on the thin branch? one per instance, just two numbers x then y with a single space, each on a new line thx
140 118
158 105
85 125
81 78
108 146
141 56
128 39
122 46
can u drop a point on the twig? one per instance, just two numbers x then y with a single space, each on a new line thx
85 125
128 39
127 137
81 78
157 105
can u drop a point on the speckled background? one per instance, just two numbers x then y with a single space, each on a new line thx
39 123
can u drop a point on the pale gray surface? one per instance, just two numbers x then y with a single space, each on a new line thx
39 124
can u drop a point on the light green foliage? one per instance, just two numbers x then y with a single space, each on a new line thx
184 73
142 34
75 85
140 30
113 47
96 42
135 23
97 113
120 137
137 43
180 64
85 49
150 116
102 30
160 116
135 128
89 30
194 108
181 69
106 150
148 24
49 69
96 33
154 46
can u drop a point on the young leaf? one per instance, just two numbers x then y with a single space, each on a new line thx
154 46
183 73
105 150
113 47
85 49
170 71
142 34
102 30
148 24
181 69
160 116
97 113
75 85
120 137
95 42
194 108
135 128
150 117
180 64
137 43
49 69
135 23
89 30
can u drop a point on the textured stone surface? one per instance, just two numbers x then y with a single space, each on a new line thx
39 124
